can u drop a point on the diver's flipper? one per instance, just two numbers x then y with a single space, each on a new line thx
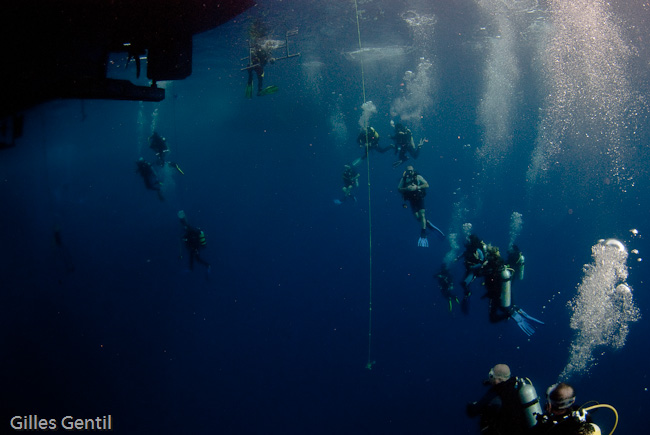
397 163
528 316
435 228
175 166
268 90
423 242
522 320
356 161
338 202
249 91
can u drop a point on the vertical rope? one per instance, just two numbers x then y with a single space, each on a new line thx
370 362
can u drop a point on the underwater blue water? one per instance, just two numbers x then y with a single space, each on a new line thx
275 339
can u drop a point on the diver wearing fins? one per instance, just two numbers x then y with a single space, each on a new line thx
413 188
404 144
350 181
158 145
368 139
474 261
149 176
194 239
446 284
260 50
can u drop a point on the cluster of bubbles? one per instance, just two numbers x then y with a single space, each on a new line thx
368 109
422 26
376 54
602 308
417 94
519 6
590 109
337 123
502 77
312 75
516 224
457 234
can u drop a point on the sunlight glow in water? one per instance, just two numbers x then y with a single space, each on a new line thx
590 108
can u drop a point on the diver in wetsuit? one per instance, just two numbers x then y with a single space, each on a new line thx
149 176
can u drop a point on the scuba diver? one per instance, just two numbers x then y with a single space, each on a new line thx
350 181
404 144
370 137
158 144
563 416
260 53
149 176
509 407
485 261
474 261
413 188
194 239
446 284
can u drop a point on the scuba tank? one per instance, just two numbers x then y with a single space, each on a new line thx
506 294
520 267
529 401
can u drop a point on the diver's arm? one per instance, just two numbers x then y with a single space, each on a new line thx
400 186
422 183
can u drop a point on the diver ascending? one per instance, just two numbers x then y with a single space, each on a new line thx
158 145
194 239
446 284
485 261
149 176
260 53
413 188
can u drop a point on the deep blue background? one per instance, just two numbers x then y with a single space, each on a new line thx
276 340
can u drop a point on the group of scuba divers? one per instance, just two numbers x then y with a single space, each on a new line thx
193 237
412 186
511 406
480 260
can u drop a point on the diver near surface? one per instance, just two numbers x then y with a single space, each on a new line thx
158 145
562 416
149 176
509 407
446 284
260 53
413 188
350 181
370 137
404 144
194 239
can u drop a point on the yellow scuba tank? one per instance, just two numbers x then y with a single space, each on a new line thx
506 295
529 401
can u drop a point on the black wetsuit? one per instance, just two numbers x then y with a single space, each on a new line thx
500 410
194 240
148 175
259 58
414 197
